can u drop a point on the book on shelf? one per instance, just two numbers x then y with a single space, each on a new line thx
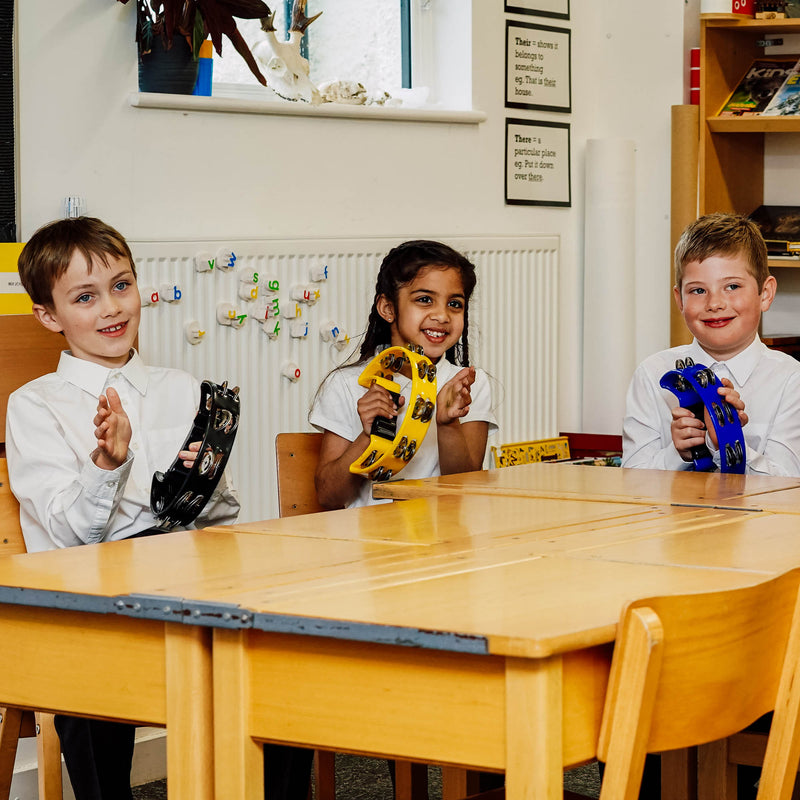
780 227
786 101
763 78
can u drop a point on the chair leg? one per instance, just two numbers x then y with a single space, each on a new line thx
10 723
458 783
679 774
48 750
325 774
716 777
410 781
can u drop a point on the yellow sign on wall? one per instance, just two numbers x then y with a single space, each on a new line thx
13 298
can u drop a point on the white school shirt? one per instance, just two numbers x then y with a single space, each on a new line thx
65 499
767 380
335 409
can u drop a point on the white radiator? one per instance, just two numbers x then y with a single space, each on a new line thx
513 328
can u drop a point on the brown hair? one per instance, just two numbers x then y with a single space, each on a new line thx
726 235
47 255
399 267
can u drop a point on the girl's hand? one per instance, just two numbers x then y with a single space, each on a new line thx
454 398
376 402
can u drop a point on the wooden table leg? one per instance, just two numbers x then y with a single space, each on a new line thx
239 772
190 730
534 733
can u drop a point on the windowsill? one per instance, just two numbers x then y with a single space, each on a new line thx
243 105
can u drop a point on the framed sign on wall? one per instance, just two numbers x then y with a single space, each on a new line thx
538 67
541 8
537 163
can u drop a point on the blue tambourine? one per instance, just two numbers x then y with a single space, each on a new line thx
696 386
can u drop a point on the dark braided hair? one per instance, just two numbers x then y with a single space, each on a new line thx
400 267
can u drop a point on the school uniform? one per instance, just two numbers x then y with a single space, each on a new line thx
768 382
335 409
66 500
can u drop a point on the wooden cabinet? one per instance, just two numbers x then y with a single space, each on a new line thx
731 154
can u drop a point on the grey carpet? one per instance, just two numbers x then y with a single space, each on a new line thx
368 779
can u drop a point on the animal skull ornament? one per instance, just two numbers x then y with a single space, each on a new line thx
287 70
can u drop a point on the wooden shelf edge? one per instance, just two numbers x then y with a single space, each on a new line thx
790 24
758 124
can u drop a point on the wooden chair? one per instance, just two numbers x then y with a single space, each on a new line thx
693 669
296 459
296 456
15 723
27 350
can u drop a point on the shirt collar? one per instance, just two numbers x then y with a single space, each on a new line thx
741 366
93 378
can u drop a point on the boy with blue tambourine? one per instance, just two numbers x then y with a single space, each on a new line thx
722 287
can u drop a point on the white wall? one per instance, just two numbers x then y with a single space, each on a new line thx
172 175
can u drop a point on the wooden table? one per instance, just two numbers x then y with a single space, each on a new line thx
467 630
74 646
482 647
609 484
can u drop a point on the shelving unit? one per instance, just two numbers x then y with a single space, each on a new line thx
731 153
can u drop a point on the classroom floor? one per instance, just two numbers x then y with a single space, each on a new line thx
368 779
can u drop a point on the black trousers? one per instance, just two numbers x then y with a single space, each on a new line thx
99 754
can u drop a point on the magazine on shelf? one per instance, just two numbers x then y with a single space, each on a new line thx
780 227
758 85
786 101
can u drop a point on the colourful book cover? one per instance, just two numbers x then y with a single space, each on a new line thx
758 86
786 101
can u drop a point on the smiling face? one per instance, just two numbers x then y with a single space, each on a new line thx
97 311
721 303
429 311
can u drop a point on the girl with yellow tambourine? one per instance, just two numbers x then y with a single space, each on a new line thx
419 321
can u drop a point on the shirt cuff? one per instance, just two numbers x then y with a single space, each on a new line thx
105 488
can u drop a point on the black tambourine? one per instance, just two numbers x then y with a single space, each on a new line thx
180 494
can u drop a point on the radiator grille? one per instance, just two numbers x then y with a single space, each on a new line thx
513 326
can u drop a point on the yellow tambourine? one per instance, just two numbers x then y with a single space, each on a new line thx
390 448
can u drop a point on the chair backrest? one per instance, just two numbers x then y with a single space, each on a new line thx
690 669
11 541
297 455
508 455
27 350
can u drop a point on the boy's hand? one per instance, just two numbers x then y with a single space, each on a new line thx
190 456
688 431
454 397
728 393
112 429
376 402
